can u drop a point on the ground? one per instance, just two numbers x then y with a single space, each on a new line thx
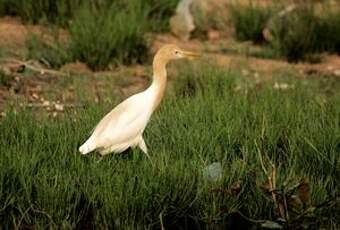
43 87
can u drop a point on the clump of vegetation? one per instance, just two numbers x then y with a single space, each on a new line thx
53 54
99 37
300 34
62 11
295 34
5 79
270 143
35 11
303 33
328 31
159 13
249 21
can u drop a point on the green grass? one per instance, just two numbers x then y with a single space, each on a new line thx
249 21
299 35
212 115
329 31
303 34
5 79
37 11
54 54
295 36
116 35
159 13
61 12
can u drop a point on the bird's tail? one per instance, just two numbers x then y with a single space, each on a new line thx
87 147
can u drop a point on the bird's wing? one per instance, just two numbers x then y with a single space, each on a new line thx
113 125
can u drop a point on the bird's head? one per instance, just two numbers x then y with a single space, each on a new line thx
171 52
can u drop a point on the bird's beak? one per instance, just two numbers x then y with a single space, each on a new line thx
190 55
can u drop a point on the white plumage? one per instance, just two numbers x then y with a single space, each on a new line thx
123 127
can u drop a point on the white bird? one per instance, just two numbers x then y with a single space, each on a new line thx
123 127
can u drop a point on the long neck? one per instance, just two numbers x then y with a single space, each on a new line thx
159 79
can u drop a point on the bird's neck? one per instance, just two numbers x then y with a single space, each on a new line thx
159 79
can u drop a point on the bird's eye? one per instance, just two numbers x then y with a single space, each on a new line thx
176 52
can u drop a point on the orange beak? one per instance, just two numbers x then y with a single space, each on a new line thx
190 55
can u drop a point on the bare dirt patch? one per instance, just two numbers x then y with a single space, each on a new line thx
13 33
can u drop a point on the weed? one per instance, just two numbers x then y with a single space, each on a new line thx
328 31
159 13
303 34
5 79
116 35
59 11
294 36
54 54
249 21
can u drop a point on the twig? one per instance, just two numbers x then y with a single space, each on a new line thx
44 213
33 68
250 219
329 201
161 219
22 217
261 160
285 204
272 182
311 209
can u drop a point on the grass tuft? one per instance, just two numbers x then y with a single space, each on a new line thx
249 21
115 35
54 54
294 36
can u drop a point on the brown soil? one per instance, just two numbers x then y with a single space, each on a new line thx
13 35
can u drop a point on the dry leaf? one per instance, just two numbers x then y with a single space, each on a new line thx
235 188
304 192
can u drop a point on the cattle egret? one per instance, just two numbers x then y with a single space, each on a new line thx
123 127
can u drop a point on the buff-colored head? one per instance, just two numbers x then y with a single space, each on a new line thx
171 52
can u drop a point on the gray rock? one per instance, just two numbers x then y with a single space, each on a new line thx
213 172
182 23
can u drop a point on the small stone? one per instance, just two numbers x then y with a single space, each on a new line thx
213 172
46 103
245 72
59 107
213 34
35 96
337 72
283 86
330 68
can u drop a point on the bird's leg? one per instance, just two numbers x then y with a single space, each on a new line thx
143 147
